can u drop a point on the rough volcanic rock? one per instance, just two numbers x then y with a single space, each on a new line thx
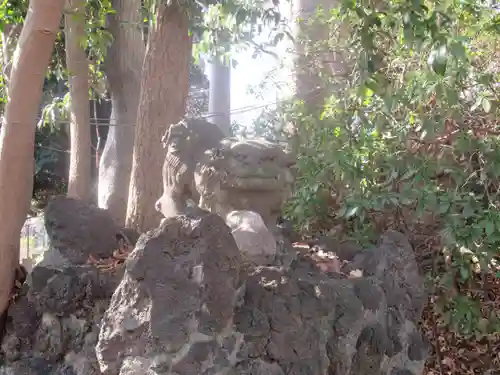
77 229
393 263
187 305
285 228
52 327
345 251
309 323
187 302
173 310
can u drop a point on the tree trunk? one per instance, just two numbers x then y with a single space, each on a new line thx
219 99
315 62
123 69
315 59
79 180
17 136
164 90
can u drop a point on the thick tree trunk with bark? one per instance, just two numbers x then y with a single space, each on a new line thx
164 90
17 135
79 180
123 69
315 59
315 62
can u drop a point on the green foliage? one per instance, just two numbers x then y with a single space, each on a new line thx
98 38
220 28
197 103
12 12
410 140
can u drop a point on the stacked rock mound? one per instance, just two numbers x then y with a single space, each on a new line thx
186 302
188 305
53 324
79 231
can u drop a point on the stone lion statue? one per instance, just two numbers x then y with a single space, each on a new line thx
251 174
185 143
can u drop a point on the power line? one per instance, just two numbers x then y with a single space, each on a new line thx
314 93
107 121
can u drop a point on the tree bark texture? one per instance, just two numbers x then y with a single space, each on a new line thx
315 60
123 69
164 90
79 179
17 135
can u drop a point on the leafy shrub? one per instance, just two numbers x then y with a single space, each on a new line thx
409 141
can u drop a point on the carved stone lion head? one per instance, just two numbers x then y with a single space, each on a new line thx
251 174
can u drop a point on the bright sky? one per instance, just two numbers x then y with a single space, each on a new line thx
250 72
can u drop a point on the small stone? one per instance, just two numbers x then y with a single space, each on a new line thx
372 339
255 242
258 367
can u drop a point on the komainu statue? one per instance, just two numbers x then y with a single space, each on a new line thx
252 174
185 143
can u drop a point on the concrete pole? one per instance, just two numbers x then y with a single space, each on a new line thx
219 99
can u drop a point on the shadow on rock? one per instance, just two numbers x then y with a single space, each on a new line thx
186 302
186 305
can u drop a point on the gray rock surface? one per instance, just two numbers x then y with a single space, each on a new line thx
173 310
255 242
187 302
52 327
187 305
77 229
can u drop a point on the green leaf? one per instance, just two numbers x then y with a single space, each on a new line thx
444 207
477 103
464 272
458 50
409 173
489 227
352 212
468 211
486 105
438 59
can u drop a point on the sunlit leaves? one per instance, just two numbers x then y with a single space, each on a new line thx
12 12
220 28
412 132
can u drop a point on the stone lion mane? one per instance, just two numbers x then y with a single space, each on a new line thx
184 142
